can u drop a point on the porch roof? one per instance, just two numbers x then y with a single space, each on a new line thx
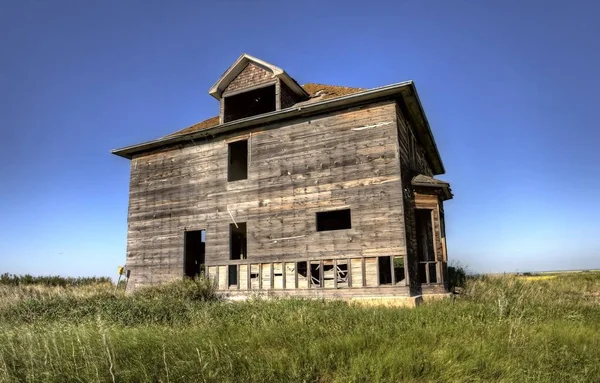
421 180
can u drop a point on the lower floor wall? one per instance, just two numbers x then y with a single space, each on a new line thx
335 278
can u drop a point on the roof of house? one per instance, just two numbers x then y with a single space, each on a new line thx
423 180
316 98
316 92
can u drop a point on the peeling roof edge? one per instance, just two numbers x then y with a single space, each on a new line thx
294 111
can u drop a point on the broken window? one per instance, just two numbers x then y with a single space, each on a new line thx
385 270
237 241
334 220
249 103
316 274
341 273
399 271
237 168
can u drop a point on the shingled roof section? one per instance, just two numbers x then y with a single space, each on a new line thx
317 92
325 92
423 180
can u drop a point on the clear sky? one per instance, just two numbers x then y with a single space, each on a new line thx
510 89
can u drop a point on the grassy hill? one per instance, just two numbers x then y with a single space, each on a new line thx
505 328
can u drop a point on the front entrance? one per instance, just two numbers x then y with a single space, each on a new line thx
427 271
194 248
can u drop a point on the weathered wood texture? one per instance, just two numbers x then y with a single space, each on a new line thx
296 168
252 75
413 161
287 97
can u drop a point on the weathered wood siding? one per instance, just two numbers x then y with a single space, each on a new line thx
287 97
339 160
250 76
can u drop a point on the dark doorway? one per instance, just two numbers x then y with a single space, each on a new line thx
194 246
237 241
425 250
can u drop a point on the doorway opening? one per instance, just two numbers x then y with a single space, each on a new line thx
425 250
237 241
194 251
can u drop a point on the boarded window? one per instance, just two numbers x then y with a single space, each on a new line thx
249 103
237 241
334 220
237 168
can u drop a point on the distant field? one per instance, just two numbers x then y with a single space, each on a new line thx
503 328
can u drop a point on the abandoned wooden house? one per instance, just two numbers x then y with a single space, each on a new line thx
312 190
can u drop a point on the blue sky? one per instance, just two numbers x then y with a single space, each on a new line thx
510 90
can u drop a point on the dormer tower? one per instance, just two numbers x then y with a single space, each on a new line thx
251 87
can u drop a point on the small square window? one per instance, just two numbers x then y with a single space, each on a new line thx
334 220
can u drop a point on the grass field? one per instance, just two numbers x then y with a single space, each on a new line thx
507 329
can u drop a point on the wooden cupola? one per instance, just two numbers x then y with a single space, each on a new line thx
251 87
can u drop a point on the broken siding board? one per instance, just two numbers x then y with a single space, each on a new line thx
290 275
266 276
278 272
357 272
222 275
255 276
243 276
371 272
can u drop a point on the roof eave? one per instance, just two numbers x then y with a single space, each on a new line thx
442 169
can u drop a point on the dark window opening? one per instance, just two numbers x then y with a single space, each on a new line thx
233 275
249 103
433 273
422 272
237 168
194 249
385 270
334 220
302 268
237 241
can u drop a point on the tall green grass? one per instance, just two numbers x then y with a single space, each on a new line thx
52 280
501 329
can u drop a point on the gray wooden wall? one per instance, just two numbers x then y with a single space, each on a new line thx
343 159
